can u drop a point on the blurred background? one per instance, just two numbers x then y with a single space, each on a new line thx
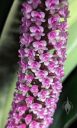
66 113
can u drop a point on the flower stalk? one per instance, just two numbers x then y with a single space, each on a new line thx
42 53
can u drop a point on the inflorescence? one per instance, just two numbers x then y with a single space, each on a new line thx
42 53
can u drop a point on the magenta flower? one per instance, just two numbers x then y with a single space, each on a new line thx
45 58
37 32
54 21
40 46
38 17
41 66
28 119
34 3
26 39
52 5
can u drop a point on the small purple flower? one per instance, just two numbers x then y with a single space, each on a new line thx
41 74
25 24
36 106
22 109
40 46
38 17
63 26
29 100
18 97
45 57
34 65
46 82
50 102
28 119
24 89
26 39
54 21
29 78
52 65
34 3
53 35
37 32
17 118
48 120
63 12
43 94
51 4
34 89
29 53
22 125
34 124
27 8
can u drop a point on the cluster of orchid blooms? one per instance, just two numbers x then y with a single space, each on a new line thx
42 54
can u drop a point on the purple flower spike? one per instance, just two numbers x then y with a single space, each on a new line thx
42 55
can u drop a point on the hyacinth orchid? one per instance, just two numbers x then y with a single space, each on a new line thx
43 29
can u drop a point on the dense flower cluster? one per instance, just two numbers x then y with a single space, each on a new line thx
41 68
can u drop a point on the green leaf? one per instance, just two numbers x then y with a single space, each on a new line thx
71 61
73 10
8 101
